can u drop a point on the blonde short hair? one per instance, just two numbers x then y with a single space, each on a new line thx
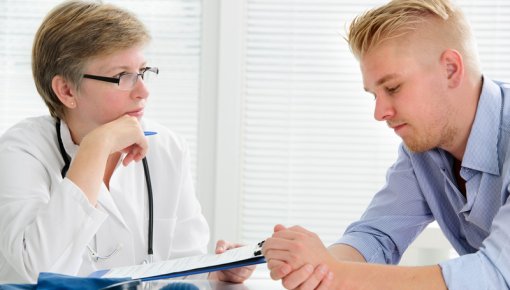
400 17
73 33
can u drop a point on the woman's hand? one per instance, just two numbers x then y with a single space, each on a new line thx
235 275
88 166
123 135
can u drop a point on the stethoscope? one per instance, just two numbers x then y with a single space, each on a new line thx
67 163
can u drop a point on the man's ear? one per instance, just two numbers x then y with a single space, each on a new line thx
454 66
64 91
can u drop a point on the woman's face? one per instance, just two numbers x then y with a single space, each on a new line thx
99 102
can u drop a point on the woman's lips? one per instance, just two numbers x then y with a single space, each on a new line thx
137 113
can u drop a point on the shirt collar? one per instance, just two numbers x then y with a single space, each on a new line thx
69 145
481 151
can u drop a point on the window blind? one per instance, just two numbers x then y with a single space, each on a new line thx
311 152
175 26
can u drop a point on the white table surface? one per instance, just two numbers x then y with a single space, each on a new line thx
250 284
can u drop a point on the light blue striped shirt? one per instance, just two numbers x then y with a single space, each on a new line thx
421 188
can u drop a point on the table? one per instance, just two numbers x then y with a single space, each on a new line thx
250 284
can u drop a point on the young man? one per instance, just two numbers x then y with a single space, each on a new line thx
419 60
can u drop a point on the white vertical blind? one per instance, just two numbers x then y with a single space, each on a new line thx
311 152
18 22
491 25
175 48
175 26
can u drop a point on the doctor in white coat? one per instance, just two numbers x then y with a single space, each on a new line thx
74 194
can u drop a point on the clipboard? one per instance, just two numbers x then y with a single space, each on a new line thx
233 258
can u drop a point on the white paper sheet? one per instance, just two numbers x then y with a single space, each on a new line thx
184 264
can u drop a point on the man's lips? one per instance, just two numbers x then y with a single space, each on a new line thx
397 127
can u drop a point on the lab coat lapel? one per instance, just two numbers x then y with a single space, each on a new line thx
106 201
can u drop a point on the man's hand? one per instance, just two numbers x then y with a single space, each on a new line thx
296 247
299 258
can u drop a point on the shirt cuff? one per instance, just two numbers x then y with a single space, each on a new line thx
371 251
472 271
463 272
96 215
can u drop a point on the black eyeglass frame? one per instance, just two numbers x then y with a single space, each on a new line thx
117 79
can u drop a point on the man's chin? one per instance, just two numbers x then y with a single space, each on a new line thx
417 147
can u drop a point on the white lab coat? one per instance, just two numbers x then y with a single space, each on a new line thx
47 223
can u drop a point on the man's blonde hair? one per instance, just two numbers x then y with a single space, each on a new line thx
73 33
398 18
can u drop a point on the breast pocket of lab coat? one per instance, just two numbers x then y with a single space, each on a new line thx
112 246
164 236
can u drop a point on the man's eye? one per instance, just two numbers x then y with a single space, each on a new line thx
393 90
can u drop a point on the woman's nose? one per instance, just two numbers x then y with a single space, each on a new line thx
140 89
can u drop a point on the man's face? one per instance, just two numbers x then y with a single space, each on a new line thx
411 93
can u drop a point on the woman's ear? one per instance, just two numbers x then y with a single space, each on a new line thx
454 65
64 91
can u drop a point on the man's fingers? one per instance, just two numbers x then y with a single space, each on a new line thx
278 269
279 227
315 280
296 278
291 258
281 244
327 282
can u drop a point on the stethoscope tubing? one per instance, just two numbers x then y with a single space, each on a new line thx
151 207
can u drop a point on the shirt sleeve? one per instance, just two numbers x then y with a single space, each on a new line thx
488 268
394 218
45 225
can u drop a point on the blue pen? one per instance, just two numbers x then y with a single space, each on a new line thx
149 133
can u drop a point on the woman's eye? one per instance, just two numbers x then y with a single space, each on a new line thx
120 74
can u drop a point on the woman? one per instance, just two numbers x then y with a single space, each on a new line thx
74 198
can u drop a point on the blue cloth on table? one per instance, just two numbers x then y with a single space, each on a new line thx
47 281
17 286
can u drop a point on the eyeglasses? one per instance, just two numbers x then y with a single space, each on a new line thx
127 81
